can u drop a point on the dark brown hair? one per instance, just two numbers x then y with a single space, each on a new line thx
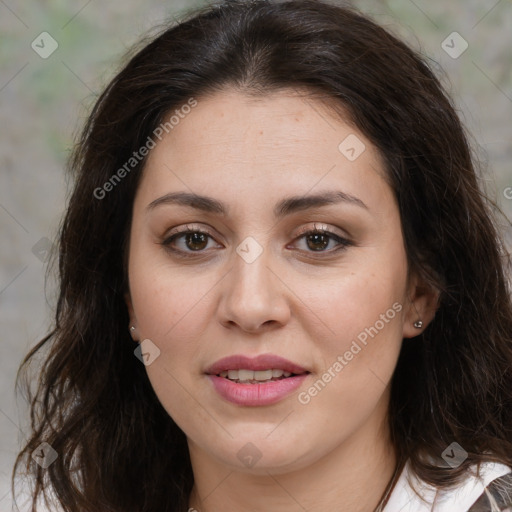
118 448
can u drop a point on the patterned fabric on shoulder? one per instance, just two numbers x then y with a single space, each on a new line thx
497 496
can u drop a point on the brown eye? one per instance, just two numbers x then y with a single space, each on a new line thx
196 241
317 240
187 241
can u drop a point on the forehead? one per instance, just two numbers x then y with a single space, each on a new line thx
230 143
282 120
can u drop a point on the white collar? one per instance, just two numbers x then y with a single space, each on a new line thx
404 499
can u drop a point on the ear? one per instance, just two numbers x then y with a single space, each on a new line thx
422 304
129 305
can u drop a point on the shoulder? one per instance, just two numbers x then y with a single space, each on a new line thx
497 496
490 492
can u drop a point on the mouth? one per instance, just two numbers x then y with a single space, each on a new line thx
263 380
257 377
265 367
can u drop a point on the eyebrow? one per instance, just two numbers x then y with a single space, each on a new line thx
285 207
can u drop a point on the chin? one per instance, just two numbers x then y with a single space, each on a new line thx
260 455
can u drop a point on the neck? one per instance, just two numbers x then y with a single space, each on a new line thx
353 477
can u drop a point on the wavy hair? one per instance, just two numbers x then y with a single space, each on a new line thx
93 403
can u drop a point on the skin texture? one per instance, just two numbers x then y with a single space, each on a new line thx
249 154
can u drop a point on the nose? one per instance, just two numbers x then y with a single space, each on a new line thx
254 297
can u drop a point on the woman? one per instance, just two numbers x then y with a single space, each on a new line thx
281 287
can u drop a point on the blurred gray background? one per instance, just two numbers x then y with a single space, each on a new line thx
44 99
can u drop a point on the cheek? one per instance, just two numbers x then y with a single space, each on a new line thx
174 310
344 307
169 299
173 305
359 349
361 322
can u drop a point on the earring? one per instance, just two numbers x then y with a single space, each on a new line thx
132 328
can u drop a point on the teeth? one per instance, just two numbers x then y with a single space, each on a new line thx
250 375
263 375
245 375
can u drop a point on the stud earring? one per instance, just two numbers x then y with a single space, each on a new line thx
132 328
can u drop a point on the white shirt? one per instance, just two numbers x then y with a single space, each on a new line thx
404 499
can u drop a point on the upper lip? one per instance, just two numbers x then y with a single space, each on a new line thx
261 362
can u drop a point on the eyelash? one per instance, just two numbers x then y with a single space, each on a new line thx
342 242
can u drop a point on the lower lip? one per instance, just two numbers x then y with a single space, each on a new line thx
265 393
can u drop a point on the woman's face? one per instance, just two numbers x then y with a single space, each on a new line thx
247 281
